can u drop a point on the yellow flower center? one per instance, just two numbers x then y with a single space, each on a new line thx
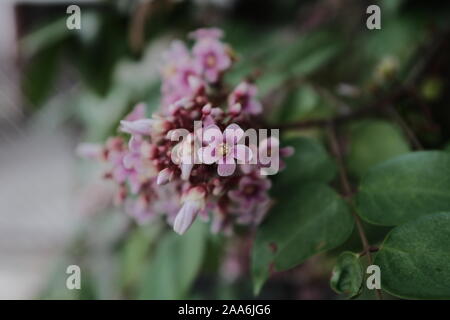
249 190
211 61
223 149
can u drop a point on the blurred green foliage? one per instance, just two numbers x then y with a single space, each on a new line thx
299 52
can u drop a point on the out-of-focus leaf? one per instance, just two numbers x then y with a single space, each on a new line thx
40 75
175 264
101 115
45 37
311 220
310 162
139 76
96 60
270 81
314 61
405 188
391 6
377 45
347 276
90 27
372 142
415 257
447 147
305 103
135 251
303 55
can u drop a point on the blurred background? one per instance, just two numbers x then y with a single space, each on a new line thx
59 87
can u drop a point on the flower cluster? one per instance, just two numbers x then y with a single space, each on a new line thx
172 167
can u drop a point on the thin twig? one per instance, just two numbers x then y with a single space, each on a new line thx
137 26
373 108
409 133
347 192
417 71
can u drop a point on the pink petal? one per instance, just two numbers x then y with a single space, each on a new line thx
90 150
212 135
212 33
287 151
226 170
235 109
268 143
243 153
120 174
234 195
244 182
266 184
142 126
135 143
163 176
208 155
185 217
128 160
233 133
186 171
137 113
135 183
254 107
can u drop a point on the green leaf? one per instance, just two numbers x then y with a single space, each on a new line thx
175 264
40 75
310 221
347 277
373 142
305 55
414 259
135 250
406 188
101 115
304 103
310 162
270 82
447 147
45 37
316 60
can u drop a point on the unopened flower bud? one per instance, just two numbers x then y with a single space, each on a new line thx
141 126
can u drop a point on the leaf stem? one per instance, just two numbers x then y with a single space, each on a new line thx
347 192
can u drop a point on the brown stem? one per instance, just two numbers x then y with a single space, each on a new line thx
417 71
347 192
373 108
409 133
137 26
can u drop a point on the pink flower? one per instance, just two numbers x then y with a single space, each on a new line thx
211 33
137 127
138 169
193 202
185 155
177 71
90 151
269 155
164 176
140 209
224 148
211 58
160 175
251 198
137 113
176 55
245 95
